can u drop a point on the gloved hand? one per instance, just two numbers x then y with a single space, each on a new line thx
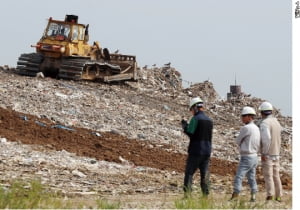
184 124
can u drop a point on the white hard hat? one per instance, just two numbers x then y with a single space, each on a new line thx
248 110
195 100
265 106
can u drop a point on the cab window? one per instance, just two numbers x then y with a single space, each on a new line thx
81 33
56 29
75 32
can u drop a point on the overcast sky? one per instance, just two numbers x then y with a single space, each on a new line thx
203 39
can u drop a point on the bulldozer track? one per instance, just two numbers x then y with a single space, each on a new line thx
71 69
28 64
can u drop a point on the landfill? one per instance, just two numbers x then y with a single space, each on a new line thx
58 129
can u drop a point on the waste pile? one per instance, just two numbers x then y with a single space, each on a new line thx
149 110
164 79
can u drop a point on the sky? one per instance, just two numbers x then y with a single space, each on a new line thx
220 40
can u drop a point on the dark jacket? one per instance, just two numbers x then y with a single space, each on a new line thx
199 130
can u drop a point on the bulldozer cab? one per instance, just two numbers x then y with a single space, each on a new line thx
64 38
57 30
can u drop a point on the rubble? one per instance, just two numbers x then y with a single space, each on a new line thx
67 173
149 110
165 79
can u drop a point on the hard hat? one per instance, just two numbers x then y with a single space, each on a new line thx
265 106
248 110
196 100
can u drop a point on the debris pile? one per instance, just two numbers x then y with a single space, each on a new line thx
149 110
70 174
164 79
204 90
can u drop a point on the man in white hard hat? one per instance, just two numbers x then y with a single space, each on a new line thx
199 130
248 141
270 131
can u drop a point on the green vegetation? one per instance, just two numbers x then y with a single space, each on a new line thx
104 204
24 195
34 195
194 203
202 202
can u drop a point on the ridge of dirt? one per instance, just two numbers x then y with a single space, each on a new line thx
107 146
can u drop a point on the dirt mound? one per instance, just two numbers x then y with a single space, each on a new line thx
108 146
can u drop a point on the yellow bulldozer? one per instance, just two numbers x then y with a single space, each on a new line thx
63 52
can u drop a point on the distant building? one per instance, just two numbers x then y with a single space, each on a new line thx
235 92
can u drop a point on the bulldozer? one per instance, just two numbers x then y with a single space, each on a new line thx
63 52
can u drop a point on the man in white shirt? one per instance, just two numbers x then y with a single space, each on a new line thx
270 131
249 143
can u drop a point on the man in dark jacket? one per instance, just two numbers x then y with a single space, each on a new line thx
199 129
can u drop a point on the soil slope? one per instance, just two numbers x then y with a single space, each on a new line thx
108 146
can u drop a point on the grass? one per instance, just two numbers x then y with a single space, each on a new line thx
33 195
219 202
194 203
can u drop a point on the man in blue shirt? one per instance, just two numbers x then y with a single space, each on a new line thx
199 130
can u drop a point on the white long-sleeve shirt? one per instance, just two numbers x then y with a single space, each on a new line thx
270 130
249 139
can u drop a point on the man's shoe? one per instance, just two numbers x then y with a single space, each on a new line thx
234 196
187 195
253 197
269 198
278 199
205 195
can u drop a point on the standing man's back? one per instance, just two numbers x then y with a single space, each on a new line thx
200 133
270 129
270 132
199 129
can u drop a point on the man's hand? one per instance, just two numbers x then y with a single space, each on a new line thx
184 124
263 158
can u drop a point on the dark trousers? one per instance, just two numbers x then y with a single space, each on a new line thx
192 164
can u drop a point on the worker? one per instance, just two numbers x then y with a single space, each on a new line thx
199 130
270 131
248 142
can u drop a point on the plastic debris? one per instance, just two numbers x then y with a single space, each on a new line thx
40 123
62 127
96 134
24 118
